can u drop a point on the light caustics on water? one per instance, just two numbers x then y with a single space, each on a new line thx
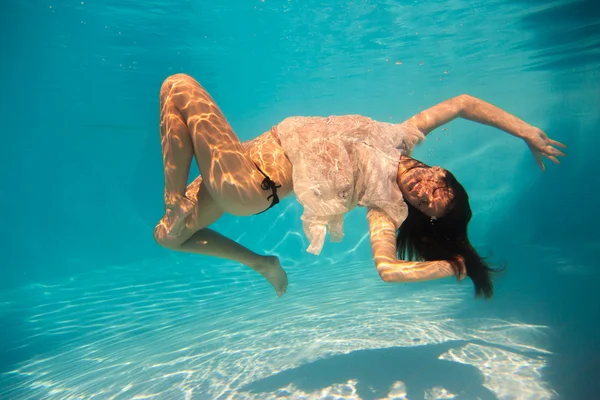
139 332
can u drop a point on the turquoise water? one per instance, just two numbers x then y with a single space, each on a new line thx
92 308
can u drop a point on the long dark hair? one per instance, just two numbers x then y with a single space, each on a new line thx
422 239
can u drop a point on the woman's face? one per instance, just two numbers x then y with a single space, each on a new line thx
424 187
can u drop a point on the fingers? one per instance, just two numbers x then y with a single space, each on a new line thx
539 160
552 156
556 152
546 150
555 143
551 151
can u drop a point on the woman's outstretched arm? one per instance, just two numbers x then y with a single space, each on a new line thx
390 269
474 109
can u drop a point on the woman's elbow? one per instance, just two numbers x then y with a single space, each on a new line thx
389 274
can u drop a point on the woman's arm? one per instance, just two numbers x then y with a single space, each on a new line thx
474 109
390 269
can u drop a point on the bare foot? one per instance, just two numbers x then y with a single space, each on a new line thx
176 215
271 269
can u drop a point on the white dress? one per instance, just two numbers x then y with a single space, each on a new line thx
340 162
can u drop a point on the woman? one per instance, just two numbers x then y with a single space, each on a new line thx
333 165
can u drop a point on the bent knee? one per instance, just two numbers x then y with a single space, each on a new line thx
176 79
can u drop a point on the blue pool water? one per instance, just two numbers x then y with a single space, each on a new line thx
92 308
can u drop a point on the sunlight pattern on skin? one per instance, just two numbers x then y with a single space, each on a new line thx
391 269
193 126
140 332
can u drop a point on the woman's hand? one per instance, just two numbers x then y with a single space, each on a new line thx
541 145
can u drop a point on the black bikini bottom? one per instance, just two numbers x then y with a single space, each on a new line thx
269 184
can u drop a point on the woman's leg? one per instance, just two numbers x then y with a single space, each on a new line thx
189 210
195 239
211 243
193 125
